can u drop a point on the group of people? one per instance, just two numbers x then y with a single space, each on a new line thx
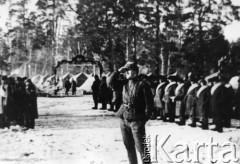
70 86
18 102
107 92
197 99
141 98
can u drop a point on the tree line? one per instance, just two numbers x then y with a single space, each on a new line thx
167 35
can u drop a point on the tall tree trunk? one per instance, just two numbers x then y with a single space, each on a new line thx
157 45
164 61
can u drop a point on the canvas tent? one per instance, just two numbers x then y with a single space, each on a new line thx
49 81
43 79
35 79
13 75
80 78
87 85
65 76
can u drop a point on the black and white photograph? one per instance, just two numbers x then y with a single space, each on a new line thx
119 81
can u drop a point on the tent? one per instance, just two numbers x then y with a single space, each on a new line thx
80 78
49 81
234 82
87 85
13 75
43 79
36 79
65 76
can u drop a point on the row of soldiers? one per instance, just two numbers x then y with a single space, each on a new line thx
18 102
196 99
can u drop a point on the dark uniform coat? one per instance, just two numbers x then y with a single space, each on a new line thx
229 102
237 104
103 92
158 99
169 93
218 100
203 101
137 101
179 96
95 89
191 100
32 109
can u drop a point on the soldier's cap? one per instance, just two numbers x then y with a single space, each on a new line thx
129 66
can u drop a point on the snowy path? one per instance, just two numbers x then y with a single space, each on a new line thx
69 131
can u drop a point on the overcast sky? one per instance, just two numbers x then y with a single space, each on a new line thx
231 32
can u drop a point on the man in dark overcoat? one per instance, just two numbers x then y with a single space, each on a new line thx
191 100
20 99
178 99
218 104
31 112
67 86
134 112
169 94
103 93
95 91
6 96
158 99
117 86
73 87
203 103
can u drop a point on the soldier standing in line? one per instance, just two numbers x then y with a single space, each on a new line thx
158 99
191 100
203 103
218 104
178 99
134 112
229 103
169 94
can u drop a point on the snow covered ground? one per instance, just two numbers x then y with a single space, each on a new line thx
69 131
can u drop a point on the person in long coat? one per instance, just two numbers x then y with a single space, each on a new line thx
103 93
11 111
218 104
67 86
169 93
191 100
229 103
237 103
4 104
20 100
74 87
95 91
179 97
158 99
203 103
117 86
31 112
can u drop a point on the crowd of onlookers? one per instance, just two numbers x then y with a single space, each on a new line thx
211 102
18 102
